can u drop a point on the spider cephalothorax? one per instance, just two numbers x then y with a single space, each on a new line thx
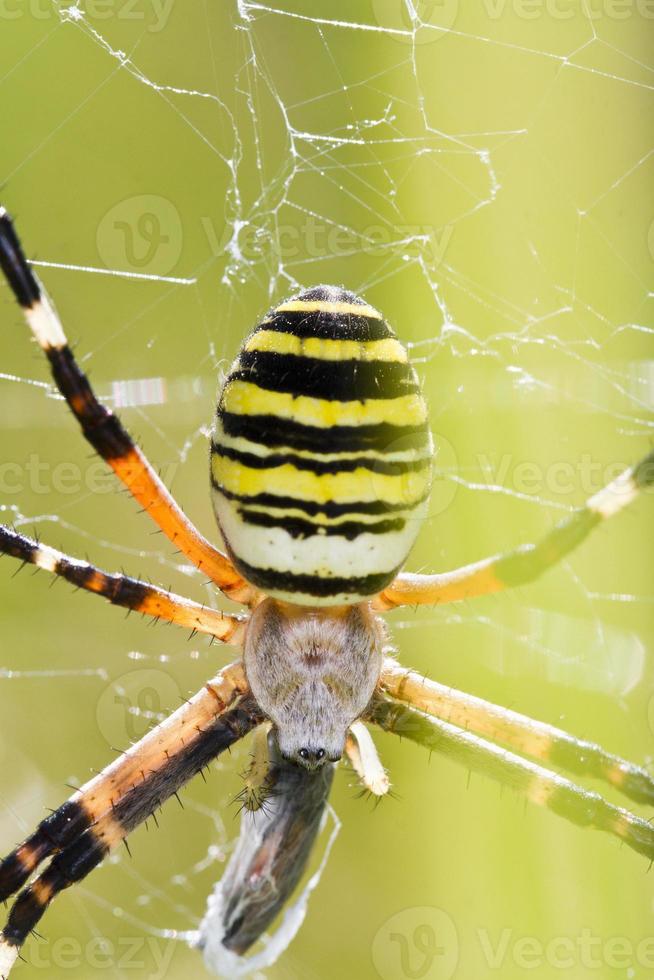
313 671
320 467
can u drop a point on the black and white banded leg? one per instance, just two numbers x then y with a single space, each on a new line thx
95 819
121 590
104 430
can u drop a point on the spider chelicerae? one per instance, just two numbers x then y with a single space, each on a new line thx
320 472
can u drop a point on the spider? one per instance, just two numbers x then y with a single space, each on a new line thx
320 471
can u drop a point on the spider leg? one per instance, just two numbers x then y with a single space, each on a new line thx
539 785
525 735
102 428
525 563
256 778
106 809
365 761
124 591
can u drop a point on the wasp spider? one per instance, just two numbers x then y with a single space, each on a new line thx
320 469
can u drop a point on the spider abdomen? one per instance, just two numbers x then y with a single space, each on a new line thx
321 455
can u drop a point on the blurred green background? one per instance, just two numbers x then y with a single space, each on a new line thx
486 181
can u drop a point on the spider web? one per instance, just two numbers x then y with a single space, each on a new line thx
479 174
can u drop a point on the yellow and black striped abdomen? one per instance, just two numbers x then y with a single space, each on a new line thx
321 456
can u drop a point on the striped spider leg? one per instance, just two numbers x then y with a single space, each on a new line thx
105 810
101 814
526 562
533 738
540 785
121 590
461 725
102 428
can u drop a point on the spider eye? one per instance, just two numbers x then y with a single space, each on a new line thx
311 757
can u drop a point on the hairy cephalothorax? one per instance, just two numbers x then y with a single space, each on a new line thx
313 671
